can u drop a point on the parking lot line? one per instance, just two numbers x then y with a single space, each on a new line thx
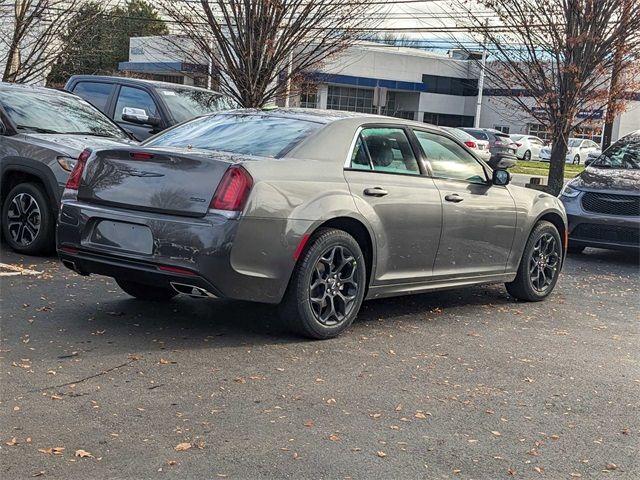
15 270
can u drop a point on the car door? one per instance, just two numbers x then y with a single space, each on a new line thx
479 218
402 204
137 98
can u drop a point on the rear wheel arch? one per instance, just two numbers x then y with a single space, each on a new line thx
358 230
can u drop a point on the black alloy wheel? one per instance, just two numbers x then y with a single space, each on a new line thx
540 264
327 285
27 220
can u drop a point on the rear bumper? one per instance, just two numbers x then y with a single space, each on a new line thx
601 231
239 258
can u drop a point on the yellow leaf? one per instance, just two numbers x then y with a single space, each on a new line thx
181 447
164 361
83 454
12 442
381 454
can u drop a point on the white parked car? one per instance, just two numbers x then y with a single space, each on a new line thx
479 147
529 146
579 150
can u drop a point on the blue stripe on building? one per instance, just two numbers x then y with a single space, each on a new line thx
369 82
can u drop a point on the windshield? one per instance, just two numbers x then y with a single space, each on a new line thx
184 103
574 142
624 154
35 112
260 135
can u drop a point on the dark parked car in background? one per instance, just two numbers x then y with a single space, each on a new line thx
145 107
603 202
315 210
500 143
42 132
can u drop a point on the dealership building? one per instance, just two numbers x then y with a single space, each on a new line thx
437 88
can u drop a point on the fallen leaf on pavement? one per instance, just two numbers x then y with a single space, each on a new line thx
612 466
181 447
12 442
309 423
381 454
171 462
52 450
334 437
83 454
497 434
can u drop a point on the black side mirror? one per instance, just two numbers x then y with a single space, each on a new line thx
151 121
501 177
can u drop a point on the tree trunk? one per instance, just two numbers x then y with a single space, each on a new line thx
557 161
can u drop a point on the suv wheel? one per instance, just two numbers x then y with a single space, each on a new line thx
527 156
576 160
327 286
540 264
27 220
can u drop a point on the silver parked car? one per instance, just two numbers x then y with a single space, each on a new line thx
42 132
316 210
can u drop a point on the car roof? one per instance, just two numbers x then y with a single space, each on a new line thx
8 87
325 116
132 81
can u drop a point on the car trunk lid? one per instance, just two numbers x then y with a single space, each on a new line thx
176 181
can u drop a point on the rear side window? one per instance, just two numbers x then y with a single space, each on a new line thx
97 94
135 98
259 135
384 150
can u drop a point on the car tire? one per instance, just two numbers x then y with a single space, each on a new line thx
542 253
576 160
28 222
527 156
333 262
575 249
146 292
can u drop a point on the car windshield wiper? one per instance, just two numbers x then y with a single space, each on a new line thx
35 129
95 134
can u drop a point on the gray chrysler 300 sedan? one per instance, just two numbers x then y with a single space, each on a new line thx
315 210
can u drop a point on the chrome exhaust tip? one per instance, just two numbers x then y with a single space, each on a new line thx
192 290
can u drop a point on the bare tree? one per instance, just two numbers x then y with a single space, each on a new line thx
555 59
30 36
255 46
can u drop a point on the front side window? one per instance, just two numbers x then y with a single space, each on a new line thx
259 135
35 112
384 150
97 94
450 160
135 98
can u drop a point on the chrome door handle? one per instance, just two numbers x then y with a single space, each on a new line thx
375 192
453 197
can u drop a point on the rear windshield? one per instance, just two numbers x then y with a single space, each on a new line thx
259 135
477 134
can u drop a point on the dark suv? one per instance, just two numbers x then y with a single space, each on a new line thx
144 107
499 143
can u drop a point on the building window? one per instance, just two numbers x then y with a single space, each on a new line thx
448 120
590 133
465 87
502 128
357 100
308 97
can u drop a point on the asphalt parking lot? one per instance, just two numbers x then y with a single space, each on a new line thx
464 384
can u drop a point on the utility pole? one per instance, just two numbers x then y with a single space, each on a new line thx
483 66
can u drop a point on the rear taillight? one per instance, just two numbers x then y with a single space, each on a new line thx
470 144
76 175
233 191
